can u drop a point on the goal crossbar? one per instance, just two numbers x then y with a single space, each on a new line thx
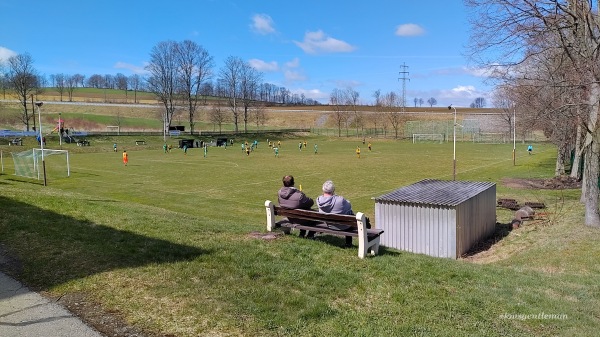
428 137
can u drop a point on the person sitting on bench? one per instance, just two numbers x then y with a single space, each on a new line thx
291 198
332 203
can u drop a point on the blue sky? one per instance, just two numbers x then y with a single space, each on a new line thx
309 47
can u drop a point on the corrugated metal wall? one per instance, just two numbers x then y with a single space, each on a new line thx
440 231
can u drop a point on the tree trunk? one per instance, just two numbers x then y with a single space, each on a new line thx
560 160
575 167
591 164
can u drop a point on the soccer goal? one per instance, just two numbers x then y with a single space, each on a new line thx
428 138
29 163
489 138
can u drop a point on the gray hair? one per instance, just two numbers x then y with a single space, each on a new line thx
328 187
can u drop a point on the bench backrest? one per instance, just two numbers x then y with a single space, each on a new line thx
349 220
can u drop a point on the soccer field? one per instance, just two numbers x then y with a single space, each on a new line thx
198 185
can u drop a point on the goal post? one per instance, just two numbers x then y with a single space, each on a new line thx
490 138
428 138
29 163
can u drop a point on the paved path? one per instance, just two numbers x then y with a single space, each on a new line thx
24 313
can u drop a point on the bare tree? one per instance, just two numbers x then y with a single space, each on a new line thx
391 102
249 82
121 83
217 116
230 76
421 102
259 115
79 79
60 84
163 78
501 100
340 114
71 82
479 102
194 68
135 83
95 81
352 101
432 101
22 78
509 33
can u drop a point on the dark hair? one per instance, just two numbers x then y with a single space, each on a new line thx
288 181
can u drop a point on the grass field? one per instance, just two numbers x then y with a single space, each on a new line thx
167 243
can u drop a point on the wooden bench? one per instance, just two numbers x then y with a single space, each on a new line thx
16 141
83 142
140 142
368 239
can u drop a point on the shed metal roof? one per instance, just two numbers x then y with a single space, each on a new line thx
436 192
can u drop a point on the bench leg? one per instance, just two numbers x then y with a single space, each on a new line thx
375 246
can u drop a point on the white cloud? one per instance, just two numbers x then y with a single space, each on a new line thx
317 43
295 63
462 95
409 29
5 53
293 76
262 24
261 65
133 68
464 89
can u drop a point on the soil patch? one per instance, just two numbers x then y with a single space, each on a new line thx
555 183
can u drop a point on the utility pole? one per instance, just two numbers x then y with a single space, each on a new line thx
404 77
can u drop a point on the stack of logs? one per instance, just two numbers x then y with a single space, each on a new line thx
522 213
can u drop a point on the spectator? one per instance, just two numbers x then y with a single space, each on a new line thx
291 198
330 202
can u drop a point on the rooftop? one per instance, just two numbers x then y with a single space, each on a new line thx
436 192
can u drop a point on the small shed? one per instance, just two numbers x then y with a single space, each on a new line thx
436 217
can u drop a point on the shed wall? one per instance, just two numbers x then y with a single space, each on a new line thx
418 228
476 219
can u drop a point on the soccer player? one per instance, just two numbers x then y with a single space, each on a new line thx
358 152
276 150
185 149
165 147
247 150
530 149
300 146
125 158
205 150
316 148
115 147
369 146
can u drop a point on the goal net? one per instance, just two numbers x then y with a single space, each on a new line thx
29 163
489 138
428 138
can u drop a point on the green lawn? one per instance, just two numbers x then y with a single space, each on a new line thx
166 242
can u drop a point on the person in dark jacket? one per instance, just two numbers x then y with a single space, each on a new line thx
292 198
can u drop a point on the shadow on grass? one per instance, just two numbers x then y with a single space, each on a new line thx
48 249
340 241
500 232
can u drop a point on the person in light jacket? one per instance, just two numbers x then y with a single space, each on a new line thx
329 202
